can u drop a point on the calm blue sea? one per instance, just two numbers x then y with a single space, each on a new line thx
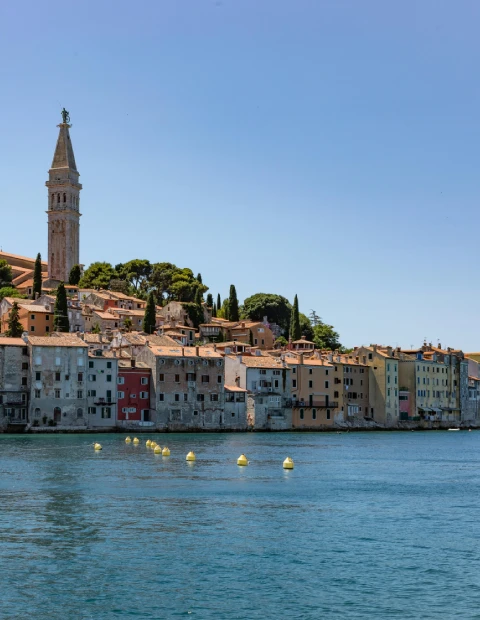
367 525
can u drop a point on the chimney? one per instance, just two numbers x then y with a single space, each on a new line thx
439 345
374 347
37 295
197 351
114 353
183 351
300 359
215 348
389 351
132 362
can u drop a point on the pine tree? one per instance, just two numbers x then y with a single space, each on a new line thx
233 313
198 297
199 278
219 302
37 276
150 319
75 275
214 310
209 300
295 330
60 318
15 328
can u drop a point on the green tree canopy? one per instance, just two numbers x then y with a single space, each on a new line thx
6 275
9 291
275 307
325 337
15 328
233 312
295 329
60 318
75 275
96 329
128 324
305 327
150 319
174 284
98 275
137 273
37 276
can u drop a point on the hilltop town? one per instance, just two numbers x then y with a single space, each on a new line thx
81 351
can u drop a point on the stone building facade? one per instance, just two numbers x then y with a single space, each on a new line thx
14 382
63 209
102 376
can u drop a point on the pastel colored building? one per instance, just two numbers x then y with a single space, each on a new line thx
134 393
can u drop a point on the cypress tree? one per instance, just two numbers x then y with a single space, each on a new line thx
198 297
233 313
37 276
214 310
199 278
209 300
219 302
15 328
75 275
149 320
295 329
60 318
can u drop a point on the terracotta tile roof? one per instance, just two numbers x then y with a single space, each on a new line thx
260 361
32 308
12 342
184 352
8 255
106 316
127 365
307 362
18 300
303 341
234 388
161 341
94 338
56 341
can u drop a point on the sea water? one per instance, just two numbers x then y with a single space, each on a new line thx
367 525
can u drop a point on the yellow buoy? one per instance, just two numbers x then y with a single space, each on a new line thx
148 443
191 456
165 451
153 444
288 463
127 440
242 460
157 450
136 440
97 446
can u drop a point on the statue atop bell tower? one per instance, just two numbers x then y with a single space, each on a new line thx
63 207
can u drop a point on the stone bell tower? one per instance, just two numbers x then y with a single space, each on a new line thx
63 207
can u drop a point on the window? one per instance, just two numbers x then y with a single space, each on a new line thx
200 398
80 361
370 356
80 377
92 410
120 380
302 414
314 414
263 372
91 364
335 395
24 365
328 414
106 412
92 393
219 379
294 383
214 397
294 370
24 380
310 384
276 373
144 380
177 378
109 364
255 341
185 398
195 412
47 328
143 394
120 394
37 412
310 371
38 394
161 397
109 378
57 393
326 384
92 378
79 393
177 398
32 316
32 328
275 383
205 379
161 377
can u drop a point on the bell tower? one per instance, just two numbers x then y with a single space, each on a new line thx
63 207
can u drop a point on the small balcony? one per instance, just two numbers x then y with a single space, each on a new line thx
104 401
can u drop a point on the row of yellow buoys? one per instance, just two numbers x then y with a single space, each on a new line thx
242 460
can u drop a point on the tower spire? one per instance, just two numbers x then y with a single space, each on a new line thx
63 206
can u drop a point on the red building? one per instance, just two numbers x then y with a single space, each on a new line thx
133 391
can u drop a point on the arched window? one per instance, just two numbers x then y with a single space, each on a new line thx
79 412
37 412
64 197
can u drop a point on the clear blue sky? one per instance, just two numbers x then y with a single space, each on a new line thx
325 148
